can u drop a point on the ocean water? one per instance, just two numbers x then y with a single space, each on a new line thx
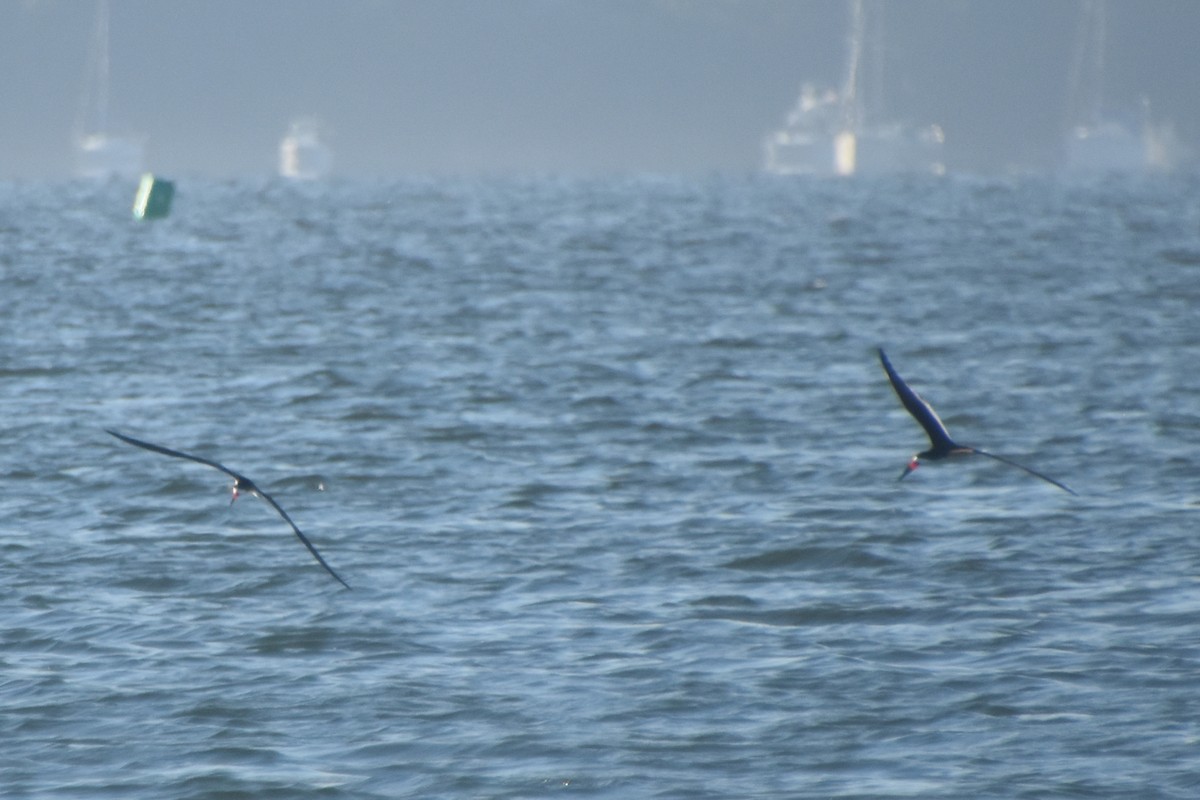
611 466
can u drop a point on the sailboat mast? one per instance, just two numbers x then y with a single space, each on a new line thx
1086 78
103 66
845 142
850 101
93 105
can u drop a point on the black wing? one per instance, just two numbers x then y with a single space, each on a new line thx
1032 472
921 410
300 535
166 451
249 486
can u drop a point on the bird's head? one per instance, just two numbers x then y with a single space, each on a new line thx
241 486
911 467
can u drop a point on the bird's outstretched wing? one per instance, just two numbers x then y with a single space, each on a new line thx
299 535
922 412
166 451
246 485
1032 472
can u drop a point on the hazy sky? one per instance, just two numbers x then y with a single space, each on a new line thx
576 86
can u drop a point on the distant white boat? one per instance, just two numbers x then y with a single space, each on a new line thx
1098 142
805 145
832 133
303 155
1105 146
1095 143
101 154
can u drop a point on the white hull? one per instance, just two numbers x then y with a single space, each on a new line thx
101 157
303 155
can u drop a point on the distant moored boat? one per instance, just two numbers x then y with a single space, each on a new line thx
303 155
832 132
100 153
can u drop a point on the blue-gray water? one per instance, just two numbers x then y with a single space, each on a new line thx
611 466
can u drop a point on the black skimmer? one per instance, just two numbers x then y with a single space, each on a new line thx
942 446
241 484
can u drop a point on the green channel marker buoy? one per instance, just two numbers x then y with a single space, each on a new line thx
153 198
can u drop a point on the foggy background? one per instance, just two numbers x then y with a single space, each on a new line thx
561 86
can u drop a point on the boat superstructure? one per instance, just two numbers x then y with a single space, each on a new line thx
303 153
846 132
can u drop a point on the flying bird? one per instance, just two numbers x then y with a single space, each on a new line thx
241 485
941 445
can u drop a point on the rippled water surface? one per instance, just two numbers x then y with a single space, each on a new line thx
611 466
